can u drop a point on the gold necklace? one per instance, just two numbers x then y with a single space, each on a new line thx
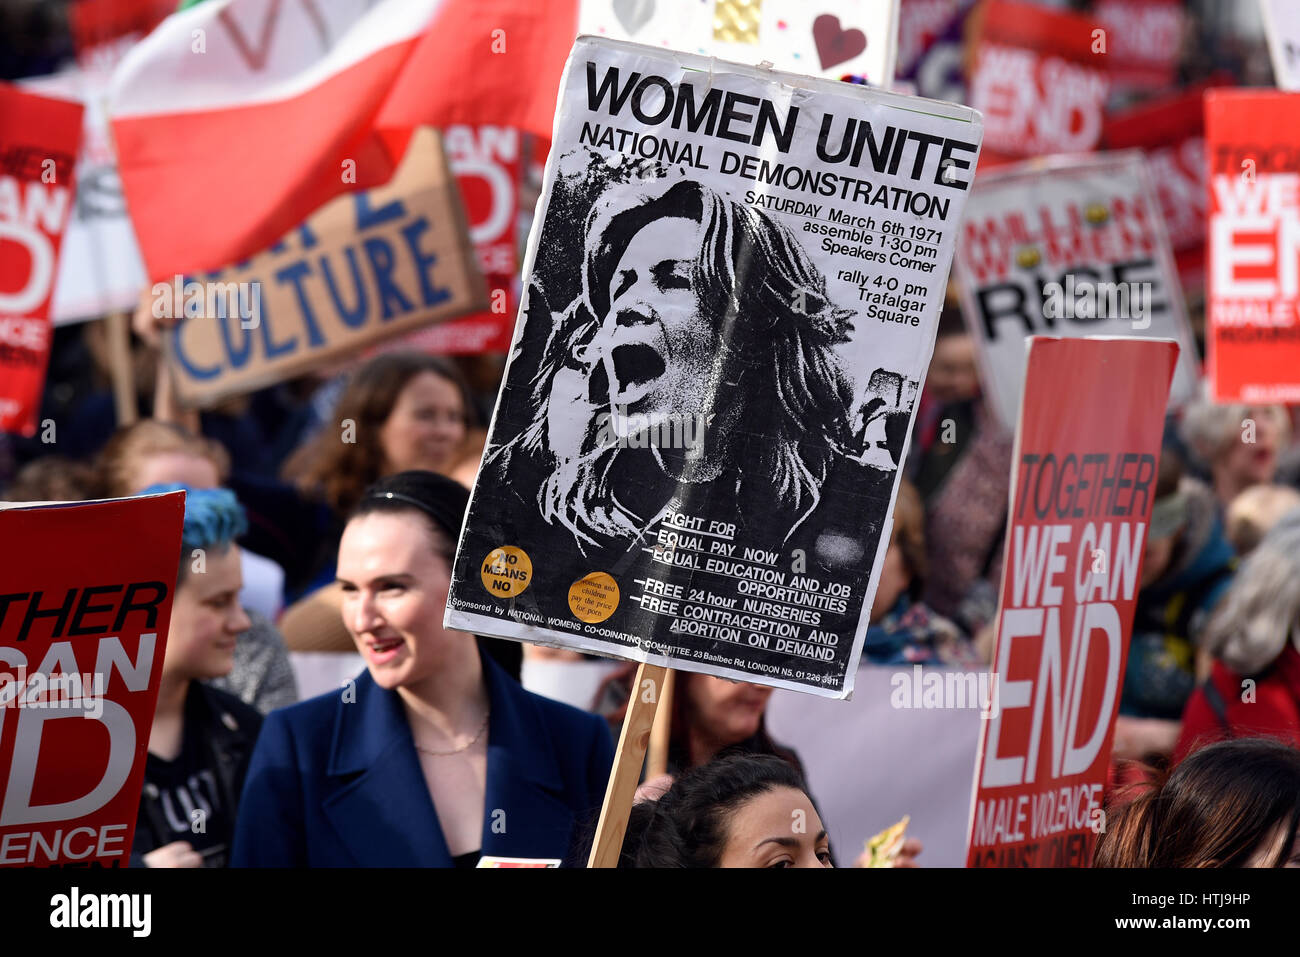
464 747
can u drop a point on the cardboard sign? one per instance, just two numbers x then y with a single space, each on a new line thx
832 38
1171 135
731 293
38 149
1252 324
1282 28
365 267
1070 247
1084 477
1038 82
83 626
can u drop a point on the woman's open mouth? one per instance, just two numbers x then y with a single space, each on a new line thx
382 650
633 369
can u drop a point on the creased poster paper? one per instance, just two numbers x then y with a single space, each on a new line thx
731 294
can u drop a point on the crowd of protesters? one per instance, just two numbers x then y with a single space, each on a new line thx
325 511
346 546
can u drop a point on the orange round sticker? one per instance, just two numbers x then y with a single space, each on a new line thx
507 571
593 597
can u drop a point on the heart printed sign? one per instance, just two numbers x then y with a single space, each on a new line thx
836 45
827 38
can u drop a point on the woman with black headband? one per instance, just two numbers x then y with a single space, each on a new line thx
433 756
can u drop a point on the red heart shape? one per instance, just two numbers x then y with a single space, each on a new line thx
835 44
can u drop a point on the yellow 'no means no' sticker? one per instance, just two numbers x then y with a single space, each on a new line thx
507 571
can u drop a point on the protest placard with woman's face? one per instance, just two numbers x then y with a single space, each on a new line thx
700 320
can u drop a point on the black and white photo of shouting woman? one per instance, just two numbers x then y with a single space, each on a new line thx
695 370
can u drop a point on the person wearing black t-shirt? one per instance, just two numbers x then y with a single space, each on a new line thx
202 738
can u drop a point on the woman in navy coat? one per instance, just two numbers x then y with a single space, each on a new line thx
434 756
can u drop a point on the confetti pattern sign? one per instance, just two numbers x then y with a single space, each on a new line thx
831 38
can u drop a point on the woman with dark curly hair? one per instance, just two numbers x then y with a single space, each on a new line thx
740 810
406 410
398 411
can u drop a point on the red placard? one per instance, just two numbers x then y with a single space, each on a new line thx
84 614
1143 40
1037 81
1252 326
482 332
1171 134
486 161
1084 474
487 164
38 151
102 30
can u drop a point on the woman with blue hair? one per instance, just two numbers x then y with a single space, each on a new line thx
202 738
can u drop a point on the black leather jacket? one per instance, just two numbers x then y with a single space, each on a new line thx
228 729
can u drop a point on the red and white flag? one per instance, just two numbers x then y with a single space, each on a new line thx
236 119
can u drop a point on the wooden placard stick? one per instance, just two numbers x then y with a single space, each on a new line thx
117 328
656 762
166 405
641 707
